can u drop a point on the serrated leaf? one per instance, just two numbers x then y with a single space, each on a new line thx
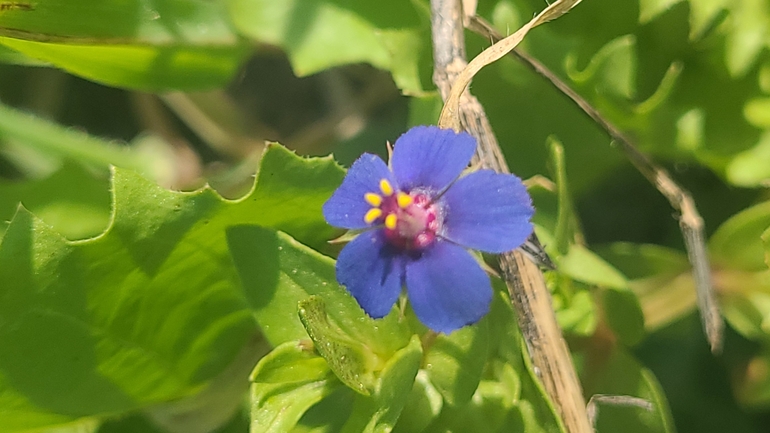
380 411
150 310
455 362
285 384
737 243
185 44
72 201
320 34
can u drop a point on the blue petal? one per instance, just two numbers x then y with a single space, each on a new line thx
447 288
372 272
346 207
427 156
488 211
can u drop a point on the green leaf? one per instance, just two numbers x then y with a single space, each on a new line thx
750 168
129 424
746 302
621 306
576 313
638 261
622 375
83 426
566 228
50 138
748 34
149 311
422 406
185 44
285 384
72 201
278 273
613 68
623 313
10 56
751 381
455 362
649 9
508 345
661 281
320 34
702 15
766 243
737 243
345 356
583 265
380 411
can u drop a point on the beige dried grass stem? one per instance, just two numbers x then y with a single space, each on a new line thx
526 285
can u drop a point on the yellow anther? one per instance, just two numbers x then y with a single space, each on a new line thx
390 221
373 199
372 215
385 187
404 200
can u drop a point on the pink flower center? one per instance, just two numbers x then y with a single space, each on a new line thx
411 221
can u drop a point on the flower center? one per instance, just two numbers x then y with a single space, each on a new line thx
411 220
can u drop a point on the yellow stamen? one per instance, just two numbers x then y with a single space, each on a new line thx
385 187
390 221
372 215
373 199
404 200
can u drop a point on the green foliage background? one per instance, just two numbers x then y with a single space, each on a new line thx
154 250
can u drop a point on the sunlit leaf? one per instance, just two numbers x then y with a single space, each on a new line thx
380 411
737 243
149 311
285 384
186 44
422 406
454 362
278 273
74 202
319 34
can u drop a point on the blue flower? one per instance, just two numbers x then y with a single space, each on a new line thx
422 215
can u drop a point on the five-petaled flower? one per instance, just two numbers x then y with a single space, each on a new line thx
422 215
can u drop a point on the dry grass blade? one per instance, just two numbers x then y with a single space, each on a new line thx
449 114
529 294
690 221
